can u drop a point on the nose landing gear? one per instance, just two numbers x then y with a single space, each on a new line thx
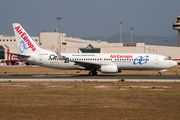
159 74
164 70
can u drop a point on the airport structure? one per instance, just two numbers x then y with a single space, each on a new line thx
176 26
66 44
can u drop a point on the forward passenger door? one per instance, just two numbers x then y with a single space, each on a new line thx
156 60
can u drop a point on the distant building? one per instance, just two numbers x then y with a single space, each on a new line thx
73 45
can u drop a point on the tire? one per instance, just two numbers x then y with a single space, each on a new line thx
94 73
159 74
90 73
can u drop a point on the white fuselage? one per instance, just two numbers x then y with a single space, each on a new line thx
129 61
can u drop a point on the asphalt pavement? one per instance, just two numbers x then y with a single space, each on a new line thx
149 78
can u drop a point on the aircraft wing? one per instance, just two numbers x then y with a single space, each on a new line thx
87 65
18 54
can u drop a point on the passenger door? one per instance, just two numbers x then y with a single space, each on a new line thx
156 60
40 59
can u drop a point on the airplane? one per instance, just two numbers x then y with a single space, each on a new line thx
103 62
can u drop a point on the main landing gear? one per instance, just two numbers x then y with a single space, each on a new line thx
93 72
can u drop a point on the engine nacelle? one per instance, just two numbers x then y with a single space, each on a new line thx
109 69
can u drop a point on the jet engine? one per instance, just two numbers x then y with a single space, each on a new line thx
109 69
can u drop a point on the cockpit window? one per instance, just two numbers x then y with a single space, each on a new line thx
167 58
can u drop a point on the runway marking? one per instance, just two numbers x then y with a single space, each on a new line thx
98 80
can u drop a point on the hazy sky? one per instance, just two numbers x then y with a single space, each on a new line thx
87 18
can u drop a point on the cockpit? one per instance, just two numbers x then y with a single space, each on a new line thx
167 58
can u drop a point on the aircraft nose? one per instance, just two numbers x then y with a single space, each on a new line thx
173 64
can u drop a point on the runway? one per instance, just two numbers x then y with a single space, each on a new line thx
135 78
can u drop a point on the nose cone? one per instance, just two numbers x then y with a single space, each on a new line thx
173 64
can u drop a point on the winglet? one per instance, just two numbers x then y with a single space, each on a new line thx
57 53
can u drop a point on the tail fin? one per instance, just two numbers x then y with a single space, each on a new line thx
25 44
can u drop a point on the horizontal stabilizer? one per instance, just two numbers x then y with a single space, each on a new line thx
21 55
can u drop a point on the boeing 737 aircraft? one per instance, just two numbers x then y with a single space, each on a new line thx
103 62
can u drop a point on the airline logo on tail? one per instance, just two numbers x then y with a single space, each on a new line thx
25 43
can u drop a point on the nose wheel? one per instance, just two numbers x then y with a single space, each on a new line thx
159 74
93 72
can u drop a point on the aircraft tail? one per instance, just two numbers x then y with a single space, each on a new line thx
25 43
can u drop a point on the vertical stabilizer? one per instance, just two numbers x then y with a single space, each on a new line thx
25 44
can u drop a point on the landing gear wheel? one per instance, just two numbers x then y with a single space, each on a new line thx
92 73
159 74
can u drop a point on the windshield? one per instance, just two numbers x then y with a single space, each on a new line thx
167 58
